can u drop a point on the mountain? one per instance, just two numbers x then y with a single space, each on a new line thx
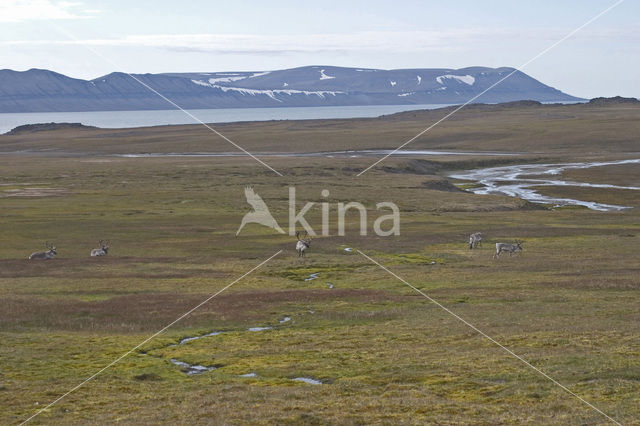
39 90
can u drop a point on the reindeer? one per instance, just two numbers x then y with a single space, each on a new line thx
475 240
44 255
302 245
510 248
102 251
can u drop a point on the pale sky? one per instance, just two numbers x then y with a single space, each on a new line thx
140 36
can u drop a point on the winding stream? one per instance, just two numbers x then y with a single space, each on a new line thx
193 369
512 181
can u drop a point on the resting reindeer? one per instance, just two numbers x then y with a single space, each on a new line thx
510 248
44 255
475 240
302 245
102 251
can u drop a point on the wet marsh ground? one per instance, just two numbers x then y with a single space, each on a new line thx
384 354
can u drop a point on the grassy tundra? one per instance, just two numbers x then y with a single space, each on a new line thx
568 304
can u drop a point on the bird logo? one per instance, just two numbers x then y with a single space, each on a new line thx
260 213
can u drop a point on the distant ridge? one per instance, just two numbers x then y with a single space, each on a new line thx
38 90
42 127
613 101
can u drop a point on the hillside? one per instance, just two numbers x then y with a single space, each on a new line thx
38 90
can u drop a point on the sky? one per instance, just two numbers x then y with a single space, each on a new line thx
90 38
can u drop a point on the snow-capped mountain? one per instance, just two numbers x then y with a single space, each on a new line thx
42 90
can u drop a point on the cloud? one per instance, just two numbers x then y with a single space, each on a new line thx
399 41
28 10
450 40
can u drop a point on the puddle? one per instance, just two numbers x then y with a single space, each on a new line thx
189 339
512 181
312 276
259 328
249 375
308 380
330 285
191 369
285 319
348 249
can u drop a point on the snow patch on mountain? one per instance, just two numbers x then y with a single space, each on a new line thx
269 92
466 79
323 76
393 83
200 83
226 79
407 94
419 79
258 74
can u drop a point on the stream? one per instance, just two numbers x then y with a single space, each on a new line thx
193 369
512 181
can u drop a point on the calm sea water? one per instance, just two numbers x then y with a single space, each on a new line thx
121 119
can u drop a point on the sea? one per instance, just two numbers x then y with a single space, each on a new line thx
127 119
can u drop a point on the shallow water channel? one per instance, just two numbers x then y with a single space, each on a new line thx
193 369
513 181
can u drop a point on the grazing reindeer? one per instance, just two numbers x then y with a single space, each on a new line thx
510 248
475 240
302 245
44 255
102 251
